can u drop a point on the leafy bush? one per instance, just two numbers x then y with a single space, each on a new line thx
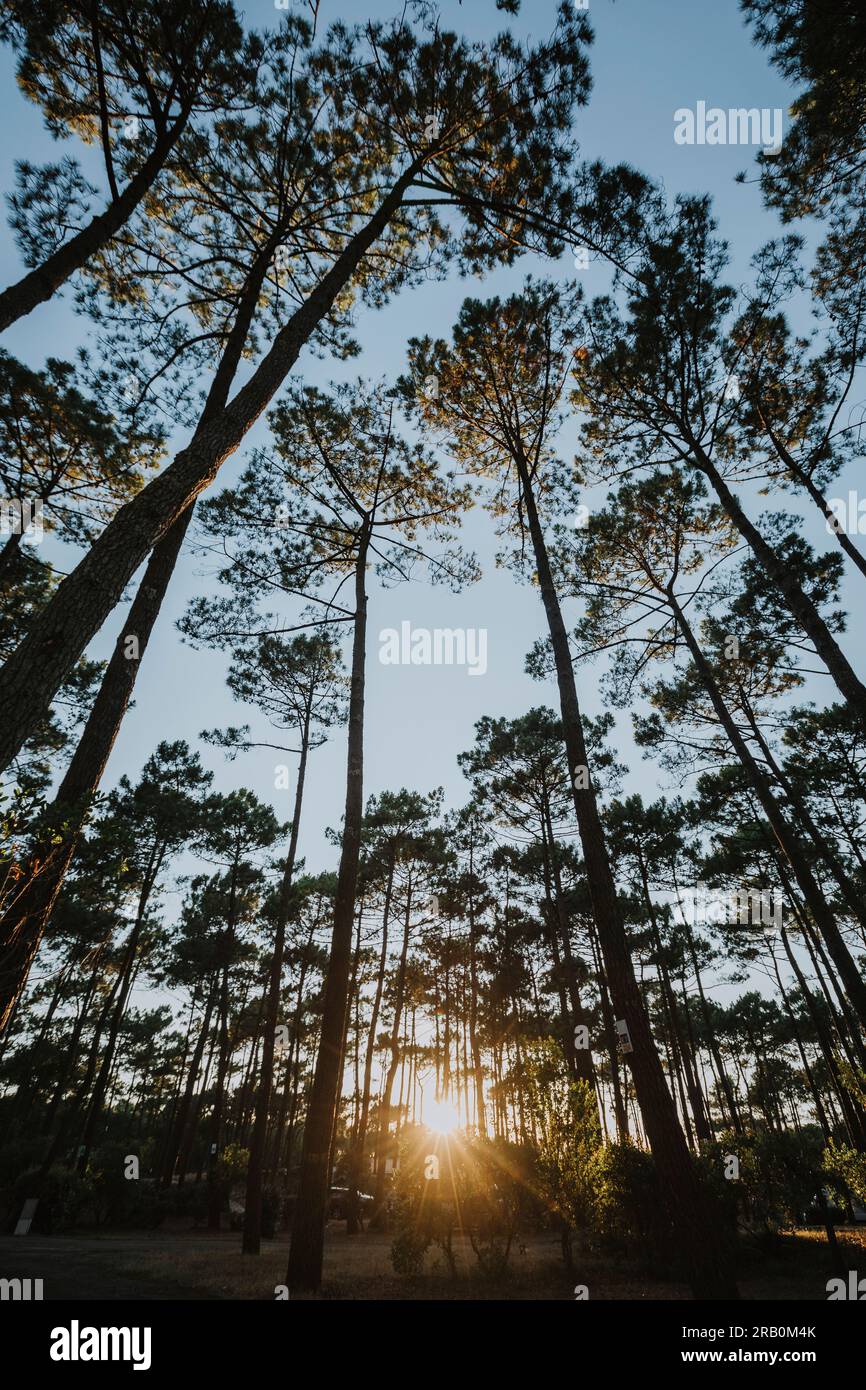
66 1199
230 1172
490 1178
565 1118
845 1169
424 1209
187 1199
484 1189
408 1249
120 1201
626 1210
778 1177
232 1165
19 1155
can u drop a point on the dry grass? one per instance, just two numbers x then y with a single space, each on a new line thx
355 1268
360 1268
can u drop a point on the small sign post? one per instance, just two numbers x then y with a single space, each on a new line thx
28 1211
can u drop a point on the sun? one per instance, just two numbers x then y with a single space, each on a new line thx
441 1117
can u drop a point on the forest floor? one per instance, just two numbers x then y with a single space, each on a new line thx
194 1265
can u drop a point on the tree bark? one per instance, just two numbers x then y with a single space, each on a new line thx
678 1039
42 282
214 1207
378 1216
308 1229
181 1117
807 1070
24 921
94 1109
724 1079
31 677
252 1237
474 1045
801 606
360 1142
689 1210
788 841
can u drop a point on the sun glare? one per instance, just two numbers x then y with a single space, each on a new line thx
441 1117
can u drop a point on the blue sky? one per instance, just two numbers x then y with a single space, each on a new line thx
647 60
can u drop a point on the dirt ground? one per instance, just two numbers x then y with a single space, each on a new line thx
194 1265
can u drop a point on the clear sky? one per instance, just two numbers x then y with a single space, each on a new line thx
648 59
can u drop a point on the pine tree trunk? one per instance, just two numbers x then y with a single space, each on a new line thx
308 1229
807 482
24 921
807 1070
474 1046
724 1079
693 1218
799 603
70 1117
822 843
284 1132
378 1218
25 1095
788 841
34 672
851 1110
253 1202
44 280
620 1106
181 1117
696 1100
360 1142
580 1057
217 1126
70 1049
10 552
97 1100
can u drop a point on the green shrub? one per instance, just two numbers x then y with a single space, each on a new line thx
626 1210
778 1177
19 1155
119 1201
845 1170
490 1179
565 1119
187 1199
424 1211
408 1249
66 1199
